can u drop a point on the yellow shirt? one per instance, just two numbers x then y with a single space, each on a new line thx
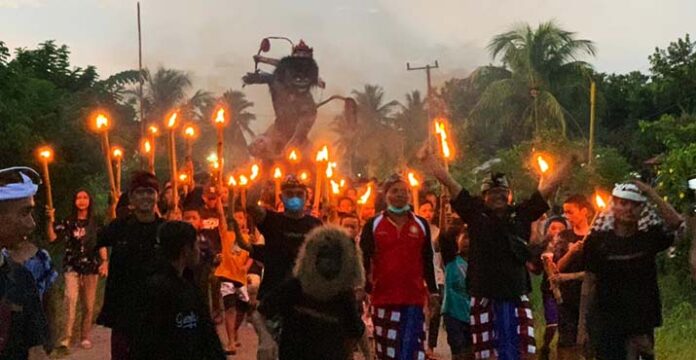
234 261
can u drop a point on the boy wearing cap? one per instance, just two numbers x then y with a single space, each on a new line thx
133 243
621 274
497 279
23 326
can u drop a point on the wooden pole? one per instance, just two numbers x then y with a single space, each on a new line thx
220 149
173 169
47 179
111 211
143 124
590 150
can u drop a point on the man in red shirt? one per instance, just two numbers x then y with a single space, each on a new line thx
398 260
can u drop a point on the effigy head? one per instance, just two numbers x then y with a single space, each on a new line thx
299 73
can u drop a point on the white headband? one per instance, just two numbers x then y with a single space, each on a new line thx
629 191
16 191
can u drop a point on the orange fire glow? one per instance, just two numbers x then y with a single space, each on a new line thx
323 154
254 172
543 164
444 144
330 170
153 129
335 188
220 117
293 157
101 122
46 153
232 181
190 131
183 177
213 160
117 152
366 196
304 176
412 179
172 120
600 202
147 146
277 173
243 180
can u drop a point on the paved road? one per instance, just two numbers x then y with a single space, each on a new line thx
100 351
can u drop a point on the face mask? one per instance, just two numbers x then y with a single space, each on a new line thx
294 204
398 211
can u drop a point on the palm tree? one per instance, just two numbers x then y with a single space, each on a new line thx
376 131
165 90
240 122
413 119
537 65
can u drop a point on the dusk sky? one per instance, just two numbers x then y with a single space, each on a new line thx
355 42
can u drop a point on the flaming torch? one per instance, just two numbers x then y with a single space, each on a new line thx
190 134
415 184
171 126
153 132
364 199
243 182
220 123
45 155
304 176
117 155
322 160
102 125
277 178
441 132
294 159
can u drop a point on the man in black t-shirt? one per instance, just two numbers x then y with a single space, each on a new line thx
284 233
133 243
497 278
621 275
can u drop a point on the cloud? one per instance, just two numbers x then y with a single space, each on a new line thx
16 4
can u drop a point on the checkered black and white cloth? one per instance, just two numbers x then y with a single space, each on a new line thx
399 332
483 327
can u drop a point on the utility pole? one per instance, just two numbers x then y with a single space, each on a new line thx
429 95
143 126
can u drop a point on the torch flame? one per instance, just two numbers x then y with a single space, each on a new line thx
330 170
183 177
342 183
147 146
172 120
442 133
220 116
190 131
293 156
232 181
243 180
254 172
335 187
304 176
277 173
153 129
46 153
600 202
101 121
366 196
323 154
117 153
412 179
543 165
213 160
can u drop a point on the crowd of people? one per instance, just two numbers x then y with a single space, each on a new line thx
379 279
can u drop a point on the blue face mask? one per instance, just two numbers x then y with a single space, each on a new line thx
398 211
294 204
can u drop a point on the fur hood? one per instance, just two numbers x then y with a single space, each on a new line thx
351 276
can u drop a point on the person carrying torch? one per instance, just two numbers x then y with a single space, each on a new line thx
497 274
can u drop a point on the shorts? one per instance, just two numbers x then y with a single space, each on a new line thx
458 335
550 310
234 295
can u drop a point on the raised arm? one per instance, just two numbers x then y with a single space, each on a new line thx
257 213
436 169
548 185
671 217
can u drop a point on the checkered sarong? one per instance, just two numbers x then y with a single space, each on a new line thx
483 326
399 332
